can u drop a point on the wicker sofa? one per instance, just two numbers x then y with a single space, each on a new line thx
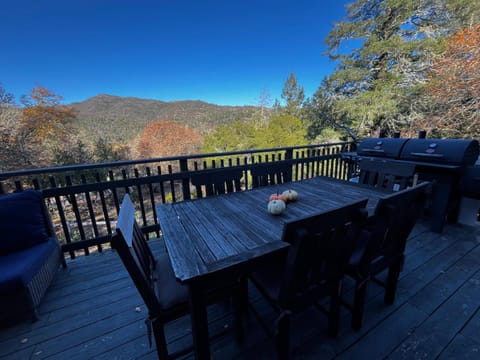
30 254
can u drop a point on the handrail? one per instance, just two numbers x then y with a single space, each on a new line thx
84 199
65 168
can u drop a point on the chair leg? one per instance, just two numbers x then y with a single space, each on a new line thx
334 311
35 316
359 304
392 280
282 336
160 341
240 306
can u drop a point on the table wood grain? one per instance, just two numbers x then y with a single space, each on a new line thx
214 233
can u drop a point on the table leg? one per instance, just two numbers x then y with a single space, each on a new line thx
439 205
198 308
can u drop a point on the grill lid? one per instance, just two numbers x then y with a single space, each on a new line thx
445 151
382 147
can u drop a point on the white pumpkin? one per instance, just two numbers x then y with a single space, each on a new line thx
291 195
276 207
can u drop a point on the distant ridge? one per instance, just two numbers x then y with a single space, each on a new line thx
121 119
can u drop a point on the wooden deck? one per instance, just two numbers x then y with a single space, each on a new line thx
92 310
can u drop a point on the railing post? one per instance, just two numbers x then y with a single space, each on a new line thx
185 180
289 156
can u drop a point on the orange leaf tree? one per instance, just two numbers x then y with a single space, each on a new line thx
45 117
455 85
168 138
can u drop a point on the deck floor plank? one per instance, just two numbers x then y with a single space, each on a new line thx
438 330
93 311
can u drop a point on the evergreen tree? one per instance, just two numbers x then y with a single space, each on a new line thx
393 43
294 96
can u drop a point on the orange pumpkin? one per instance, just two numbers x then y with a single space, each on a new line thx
278 197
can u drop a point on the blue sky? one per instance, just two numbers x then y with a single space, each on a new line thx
220 51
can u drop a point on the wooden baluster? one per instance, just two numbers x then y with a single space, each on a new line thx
91 212
76 211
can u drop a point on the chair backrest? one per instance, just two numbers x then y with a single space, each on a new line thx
321 246
217 181
395 216
270 173
129 241
386 174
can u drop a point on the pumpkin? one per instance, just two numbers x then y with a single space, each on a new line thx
291 195
278 197
276 207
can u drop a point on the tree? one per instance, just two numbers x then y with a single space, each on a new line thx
18 147
45 125
294 96
73 152
282 130
393 42
11 150
238 135
106 151
455 86
45 116
264 102
168 138
6 99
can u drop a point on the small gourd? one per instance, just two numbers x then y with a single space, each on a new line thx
276 207
278 196
291 195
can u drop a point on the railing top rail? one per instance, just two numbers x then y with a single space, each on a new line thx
65 168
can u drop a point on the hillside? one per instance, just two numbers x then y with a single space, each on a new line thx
122 118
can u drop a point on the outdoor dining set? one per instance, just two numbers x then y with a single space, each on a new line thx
217 244
227 241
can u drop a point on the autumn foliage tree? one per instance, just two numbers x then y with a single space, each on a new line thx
11 150
44 115
168 138
455 86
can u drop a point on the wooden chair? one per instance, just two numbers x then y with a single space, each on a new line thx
386 174
381 245
312 269
270 173
217 181
165 297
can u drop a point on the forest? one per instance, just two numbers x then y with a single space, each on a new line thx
401 66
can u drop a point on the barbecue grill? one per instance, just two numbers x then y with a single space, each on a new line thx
447 163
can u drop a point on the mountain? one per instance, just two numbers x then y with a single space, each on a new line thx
120 119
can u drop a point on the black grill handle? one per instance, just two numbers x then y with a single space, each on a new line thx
425 155
374 150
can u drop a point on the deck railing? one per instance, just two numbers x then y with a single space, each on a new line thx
84 199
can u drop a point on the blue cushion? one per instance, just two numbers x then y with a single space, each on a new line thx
22 224
17 269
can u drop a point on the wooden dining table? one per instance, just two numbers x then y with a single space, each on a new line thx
213 239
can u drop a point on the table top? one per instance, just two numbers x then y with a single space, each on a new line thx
205 235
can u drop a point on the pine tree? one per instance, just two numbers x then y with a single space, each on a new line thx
393 43
294 96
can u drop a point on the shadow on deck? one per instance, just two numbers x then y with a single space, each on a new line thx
92 310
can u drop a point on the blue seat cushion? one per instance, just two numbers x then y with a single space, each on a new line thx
22 222
18 268
170 292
